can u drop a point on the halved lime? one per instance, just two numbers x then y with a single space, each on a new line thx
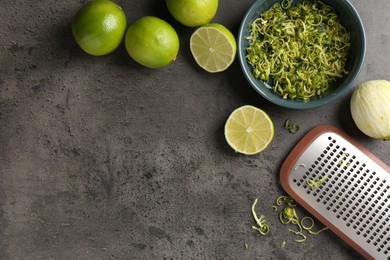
192 13
213 47
249 130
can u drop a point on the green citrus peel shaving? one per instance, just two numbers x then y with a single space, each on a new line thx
289 216
262 228
288 200
313 184
345 155
300 165
298 50
290 126
310 227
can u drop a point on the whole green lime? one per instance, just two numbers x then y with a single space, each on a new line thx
192 13
99 27
152 42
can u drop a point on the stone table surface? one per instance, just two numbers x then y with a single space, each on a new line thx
101 158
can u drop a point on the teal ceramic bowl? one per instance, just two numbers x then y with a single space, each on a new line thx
349 18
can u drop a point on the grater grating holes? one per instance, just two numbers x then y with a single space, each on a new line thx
352 192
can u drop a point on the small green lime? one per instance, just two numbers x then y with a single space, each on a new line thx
99 27
152 42
192 13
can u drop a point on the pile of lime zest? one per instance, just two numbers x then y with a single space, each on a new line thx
262 228
291 127
286 4
300 50
313 184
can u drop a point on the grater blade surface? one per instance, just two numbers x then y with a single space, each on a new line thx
352 195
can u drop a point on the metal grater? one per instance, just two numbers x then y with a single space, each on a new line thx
353 198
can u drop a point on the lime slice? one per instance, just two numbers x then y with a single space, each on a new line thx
249 130
213 47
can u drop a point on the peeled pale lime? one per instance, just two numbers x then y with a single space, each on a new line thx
370 108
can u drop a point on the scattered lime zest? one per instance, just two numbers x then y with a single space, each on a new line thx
307 227
291 127
289 201
300 165
313 184
274 207
288 215
301 240
246 246
299 50
310 227
341 162
262 227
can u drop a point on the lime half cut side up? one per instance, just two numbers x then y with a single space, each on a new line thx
249 130
213 47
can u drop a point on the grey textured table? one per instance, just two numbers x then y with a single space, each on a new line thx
101 158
